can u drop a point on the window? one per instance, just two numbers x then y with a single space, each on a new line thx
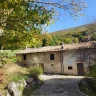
51 64
51 56
24 56
70 68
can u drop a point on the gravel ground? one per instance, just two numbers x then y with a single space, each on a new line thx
59 85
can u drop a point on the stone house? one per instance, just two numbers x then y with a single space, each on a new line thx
65 59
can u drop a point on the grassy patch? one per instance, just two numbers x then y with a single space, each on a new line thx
11 73
88 86
17 77
10 52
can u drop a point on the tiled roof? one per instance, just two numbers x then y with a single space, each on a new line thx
58 48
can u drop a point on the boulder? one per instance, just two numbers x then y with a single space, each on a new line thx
1 94
12 85
29 81
28 86
12 90
8 94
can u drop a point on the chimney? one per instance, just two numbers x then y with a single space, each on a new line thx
62 45
26 48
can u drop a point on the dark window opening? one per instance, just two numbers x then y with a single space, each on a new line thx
24 57
70 68
51 64
51 56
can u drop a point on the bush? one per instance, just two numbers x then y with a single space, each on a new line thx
35 71
92 71
3 57
88 86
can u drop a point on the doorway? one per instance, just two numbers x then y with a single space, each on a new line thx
80 69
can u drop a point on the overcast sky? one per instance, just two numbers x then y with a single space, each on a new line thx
66 22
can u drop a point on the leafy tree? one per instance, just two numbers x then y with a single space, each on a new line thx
20 20
67 40
56 40
18 17
52 43
46 39
75 40
35 41
93 37
81 38
3 57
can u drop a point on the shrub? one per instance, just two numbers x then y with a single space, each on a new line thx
35 71
92 71
3 57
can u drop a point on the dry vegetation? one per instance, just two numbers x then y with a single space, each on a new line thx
90 27
70 30
11 72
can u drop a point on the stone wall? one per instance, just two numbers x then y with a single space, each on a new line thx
62 59
50 66
70 60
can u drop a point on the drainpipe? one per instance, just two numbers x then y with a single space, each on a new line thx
62 65
62 61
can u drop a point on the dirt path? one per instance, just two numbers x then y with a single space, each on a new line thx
59 85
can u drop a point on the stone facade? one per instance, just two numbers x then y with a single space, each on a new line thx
69 59
62 61
43 59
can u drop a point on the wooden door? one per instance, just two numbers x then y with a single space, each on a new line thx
80 69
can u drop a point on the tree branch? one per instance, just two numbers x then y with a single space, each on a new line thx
55 4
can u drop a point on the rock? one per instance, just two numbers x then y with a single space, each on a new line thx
33 83
1 94
12 85
27 86
29 80
8 94
12 90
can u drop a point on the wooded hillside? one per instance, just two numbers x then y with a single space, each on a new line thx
83 33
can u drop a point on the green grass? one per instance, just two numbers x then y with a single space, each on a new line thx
17 77
10 52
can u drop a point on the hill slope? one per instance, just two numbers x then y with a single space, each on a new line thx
75 29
